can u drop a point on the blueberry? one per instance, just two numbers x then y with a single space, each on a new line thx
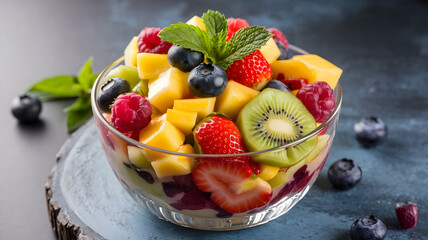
277 85
370 131
344 174
368 227
183 58
146 176
207 80
109 92
282 49
26 108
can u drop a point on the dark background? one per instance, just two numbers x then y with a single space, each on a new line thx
382 46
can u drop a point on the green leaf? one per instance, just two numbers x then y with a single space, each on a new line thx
245 41
86 77
78 113
56 87
215 23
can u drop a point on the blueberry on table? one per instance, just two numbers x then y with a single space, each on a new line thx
109 92
344 174
368 227
207 80
183 58
370 131
275 84
26 108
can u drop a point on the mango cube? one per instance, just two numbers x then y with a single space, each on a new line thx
150 65
234 98
184 121
197 22
203 106
175 165
270 51
267 172
160 134
130 53
311 67
170 85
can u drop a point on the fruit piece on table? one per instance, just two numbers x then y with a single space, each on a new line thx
407 214
270 51
137 158
267 172
252 71
344 174
175 165
207 80
131 112
231 186
370 131
129 73
184 121
170 85
110 90
149 41
311 67
234 98
130 53
272 119
26 108
278 35
150 65
203 106
368 227
319 99
183 58
197 22
160 134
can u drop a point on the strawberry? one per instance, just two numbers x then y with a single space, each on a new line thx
233 25
407 214
252 71
231 185
220 135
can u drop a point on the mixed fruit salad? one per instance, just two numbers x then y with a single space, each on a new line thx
217 86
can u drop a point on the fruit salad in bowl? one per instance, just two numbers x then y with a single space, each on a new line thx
215 124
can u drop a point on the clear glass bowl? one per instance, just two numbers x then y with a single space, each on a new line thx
176 199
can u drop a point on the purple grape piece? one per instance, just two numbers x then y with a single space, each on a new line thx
295 185
146 176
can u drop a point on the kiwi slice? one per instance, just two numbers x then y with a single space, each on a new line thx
275 118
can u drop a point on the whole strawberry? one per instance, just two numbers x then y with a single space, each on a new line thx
220 135
252 71
407 214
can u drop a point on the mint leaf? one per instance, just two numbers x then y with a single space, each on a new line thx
78 113
56 87
245 41
215 23
86 77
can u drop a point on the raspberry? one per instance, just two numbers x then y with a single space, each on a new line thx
407 214
279 36
131 112
233 25
149 42
318 97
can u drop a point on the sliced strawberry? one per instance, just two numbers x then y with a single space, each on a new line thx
252 71
233 25
220 135
231 186
279 36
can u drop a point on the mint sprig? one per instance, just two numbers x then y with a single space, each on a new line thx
212 43
68 86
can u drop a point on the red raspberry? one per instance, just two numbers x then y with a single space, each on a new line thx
131 113
407 213
233 25
279 36
149 42
318 97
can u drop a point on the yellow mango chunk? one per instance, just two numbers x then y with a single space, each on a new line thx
170 85
184 121
150 65
197 22
234 98
174 165
267 172
130 53
311 67
270 51
203 106
160 134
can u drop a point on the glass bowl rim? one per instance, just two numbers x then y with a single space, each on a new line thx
99 116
